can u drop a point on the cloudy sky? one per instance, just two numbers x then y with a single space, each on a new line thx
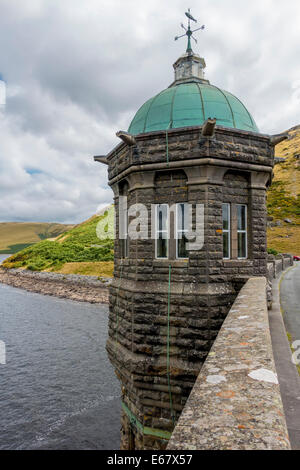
77 71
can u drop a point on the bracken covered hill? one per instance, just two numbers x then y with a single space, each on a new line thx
77 251
17 235
284 197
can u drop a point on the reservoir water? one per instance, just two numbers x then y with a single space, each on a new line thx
57 388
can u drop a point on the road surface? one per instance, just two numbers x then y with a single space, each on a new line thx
290 301
287 309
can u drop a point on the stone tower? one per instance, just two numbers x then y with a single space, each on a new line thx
195 146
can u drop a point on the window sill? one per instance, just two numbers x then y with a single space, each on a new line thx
237 262
173 262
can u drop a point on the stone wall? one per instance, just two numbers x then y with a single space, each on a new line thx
236 402
228 145
277 264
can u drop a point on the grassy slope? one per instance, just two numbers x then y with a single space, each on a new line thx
77 251
284 196
16 235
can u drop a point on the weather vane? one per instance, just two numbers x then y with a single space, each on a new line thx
188 31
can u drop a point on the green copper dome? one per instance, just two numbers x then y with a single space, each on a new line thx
190 104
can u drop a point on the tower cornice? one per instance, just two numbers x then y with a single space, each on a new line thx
189 67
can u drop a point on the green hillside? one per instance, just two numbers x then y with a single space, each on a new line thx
284 197
78 250
14 236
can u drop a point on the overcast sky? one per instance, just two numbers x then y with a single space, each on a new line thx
77 71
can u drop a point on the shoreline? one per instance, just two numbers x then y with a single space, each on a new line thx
66 286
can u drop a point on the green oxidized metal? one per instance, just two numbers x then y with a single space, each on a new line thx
190 104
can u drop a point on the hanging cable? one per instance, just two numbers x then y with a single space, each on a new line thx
168 347
167 142
117 301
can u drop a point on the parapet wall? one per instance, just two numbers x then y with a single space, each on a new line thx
236 402
277 264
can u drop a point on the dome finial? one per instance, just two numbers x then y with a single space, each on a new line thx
190 66
188 31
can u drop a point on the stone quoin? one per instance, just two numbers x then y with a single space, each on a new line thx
193 143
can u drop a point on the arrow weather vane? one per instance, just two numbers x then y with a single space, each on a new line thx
188 31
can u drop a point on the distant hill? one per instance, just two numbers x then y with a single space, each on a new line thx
76 251
284 196
14 236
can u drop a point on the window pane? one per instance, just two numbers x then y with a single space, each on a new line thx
226 253
242 249
241 212
162 231
125 248
162 246
182 216
225 208
162 216
123 228
181 246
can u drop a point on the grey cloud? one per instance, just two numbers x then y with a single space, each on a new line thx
77 72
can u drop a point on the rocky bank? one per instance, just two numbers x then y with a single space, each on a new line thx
72 286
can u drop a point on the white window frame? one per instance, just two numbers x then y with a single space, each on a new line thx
167 231
177 231
227 230
245 231
124 241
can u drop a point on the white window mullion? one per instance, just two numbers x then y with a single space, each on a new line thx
242 231
226 217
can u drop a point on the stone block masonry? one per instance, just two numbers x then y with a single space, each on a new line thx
278 264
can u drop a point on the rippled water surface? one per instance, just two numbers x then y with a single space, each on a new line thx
57 389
